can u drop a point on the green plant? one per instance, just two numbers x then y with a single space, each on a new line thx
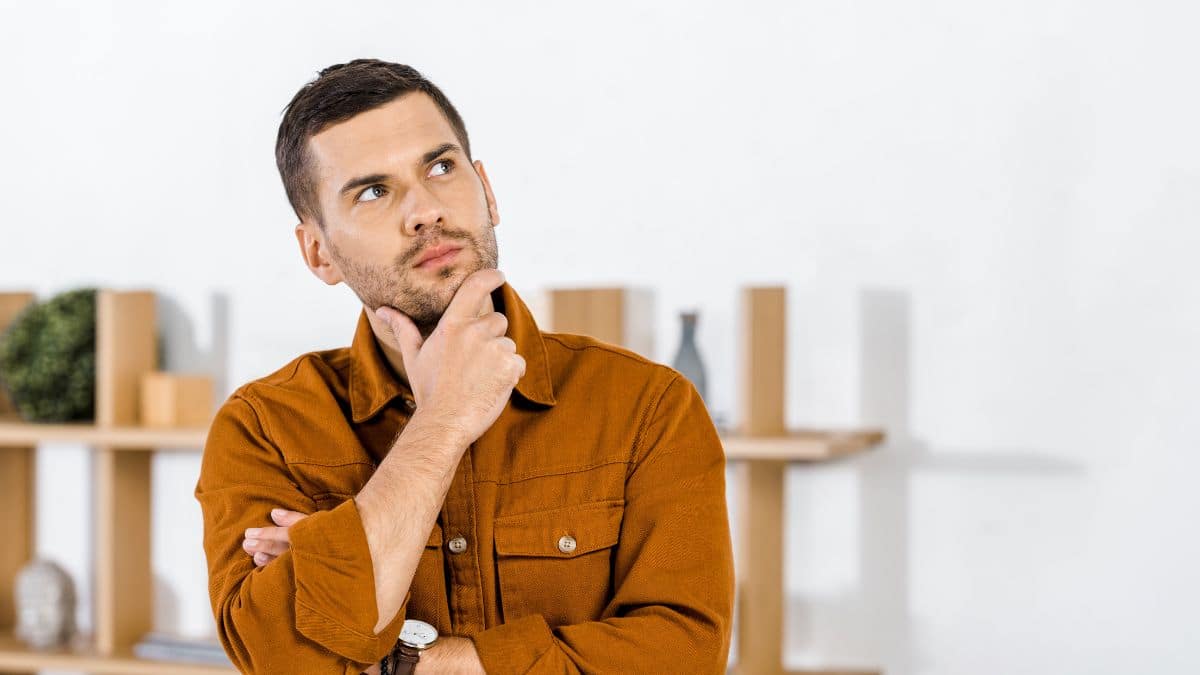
48 358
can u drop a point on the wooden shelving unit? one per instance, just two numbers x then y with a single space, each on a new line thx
125 349
123 604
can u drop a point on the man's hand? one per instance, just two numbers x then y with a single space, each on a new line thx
463 374
470 346
268 543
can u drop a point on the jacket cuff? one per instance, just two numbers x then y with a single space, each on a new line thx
335 586
515 646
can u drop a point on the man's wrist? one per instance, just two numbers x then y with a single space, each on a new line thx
450 655
435 434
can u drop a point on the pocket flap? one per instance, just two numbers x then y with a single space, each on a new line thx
590 527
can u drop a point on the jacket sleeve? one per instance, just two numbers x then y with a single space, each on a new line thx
673 580
312 609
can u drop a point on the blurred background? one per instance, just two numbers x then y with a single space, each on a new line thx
984 213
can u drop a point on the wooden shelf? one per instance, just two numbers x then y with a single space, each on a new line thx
802 445
15 657
14 432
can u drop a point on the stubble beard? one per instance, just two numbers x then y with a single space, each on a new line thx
423 300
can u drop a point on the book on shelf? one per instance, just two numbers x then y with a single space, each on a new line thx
158 646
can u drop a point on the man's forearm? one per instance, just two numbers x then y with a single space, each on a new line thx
400 504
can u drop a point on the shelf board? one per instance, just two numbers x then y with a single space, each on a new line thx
16 657
15 432
801 445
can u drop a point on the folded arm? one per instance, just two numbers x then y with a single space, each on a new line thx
335 601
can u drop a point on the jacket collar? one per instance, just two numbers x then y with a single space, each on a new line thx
373 384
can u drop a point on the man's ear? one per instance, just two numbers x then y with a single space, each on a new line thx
313 249
487 191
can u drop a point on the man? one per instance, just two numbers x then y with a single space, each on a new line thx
546 502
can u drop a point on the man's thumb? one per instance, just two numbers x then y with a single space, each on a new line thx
408 338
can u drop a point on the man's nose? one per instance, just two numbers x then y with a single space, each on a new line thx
421 209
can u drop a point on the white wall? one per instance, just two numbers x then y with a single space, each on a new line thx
985 213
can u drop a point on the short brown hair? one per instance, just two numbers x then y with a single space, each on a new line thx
340 92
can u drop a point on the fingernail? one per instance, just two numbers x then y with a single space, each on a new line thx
251 543
277 512
260 557
253 532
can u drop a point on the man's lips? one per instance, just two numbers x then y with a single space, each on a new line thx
436 252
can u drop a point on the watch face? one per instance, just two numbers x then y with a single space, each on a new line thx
417 634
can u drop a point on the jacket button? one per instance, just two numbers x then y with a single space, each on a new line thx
566 543
458 544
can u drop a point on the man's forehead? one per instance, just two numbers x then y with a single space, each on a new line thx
393 135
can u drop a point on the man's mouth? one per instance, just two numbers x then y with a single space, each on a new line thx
438 255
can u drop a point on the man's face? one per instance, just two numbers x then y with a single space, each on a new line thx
393 183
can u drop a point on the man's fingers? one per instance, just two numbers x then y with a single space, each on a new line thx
267 546
264 544
267 534
408 338
285 518
469 297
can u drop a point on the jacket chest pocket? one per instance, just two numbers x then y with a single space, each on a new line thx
557 563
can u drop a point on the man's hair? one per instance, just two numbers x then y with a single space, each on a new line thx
340 92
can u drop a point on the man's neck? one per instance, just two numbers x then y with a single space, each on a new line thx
389 345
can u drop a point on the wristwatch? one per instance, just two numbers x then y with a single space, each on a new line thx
415 637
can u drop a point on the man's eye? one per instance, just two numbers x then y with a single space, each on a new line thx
445 163
376 191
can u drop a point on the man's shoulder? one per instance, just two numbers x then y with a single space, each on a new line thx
317 372
617 376
584 351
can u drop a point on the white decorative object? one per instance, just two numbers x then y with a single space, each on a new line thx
45 597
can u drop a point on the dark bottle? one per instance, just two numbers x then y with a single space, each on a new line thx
687 359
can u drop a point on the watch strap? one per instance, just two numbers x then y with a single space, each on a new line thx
402 660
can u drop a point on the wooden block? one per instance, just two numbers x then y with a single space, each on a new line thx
761 593
760 580
17 522
126 347
17 482
620 316
176 400
764 361
11 304
123 592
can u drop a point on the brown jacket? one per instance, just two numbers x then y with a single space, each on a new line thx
597 444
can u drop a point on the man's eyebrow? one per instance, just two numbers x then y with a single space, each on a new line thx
439 151
362 181
371 179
